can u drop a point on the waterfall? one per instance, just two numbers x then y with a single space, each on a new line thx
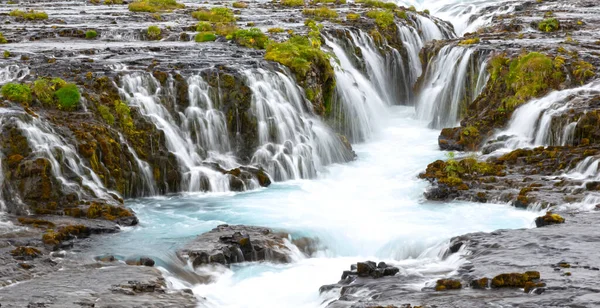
145 176
358 107
13 72
294 143
65 163
453 78
144 92
531 123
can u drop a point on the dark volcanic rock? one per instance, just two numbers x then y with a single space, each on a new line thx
227 244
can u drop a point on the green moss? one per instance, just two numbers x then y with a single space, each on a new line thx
6 54
321 13
583 71
275 30
292 3
402 14
37 223
26 252
29 15
91 34
467 42
298 53
529 76
68 97
154 33
549 25
44 89
216 14
52 237
204 26
252 38
124 114
153 6
240 5
448 284
16 92
107 212
383 19
106 114
514 280
378 4
352 16
2 39
207 36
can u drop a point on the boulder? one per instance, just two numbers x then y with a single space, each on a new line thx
228 244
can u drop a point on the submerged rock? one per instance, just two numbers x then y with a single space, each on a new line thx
228 244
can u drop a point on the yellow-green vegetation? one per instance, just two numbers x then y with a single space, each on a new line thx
203 26
448 284
527 76
68 96
37 223
514 280
378 4
106 114
426 12
6 54
16 92
402 14
216 14
2 39
321 13
549 219
240 5
383 18
25 252
412 8
125 118
44 89
29 15
352 16
452 172
313 2
549 25
275 30
52 237
91 34
154 33
251 38
292 3
206 36
107 212
470 41
153 6
583 71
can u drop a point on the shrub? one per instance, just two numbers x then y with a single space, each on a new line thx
2 39
29 15
352 16
106 114
16 92
299 54
252 38
549 25
216 14
292 2
240 5
470 41
153 6
154 33
68 96
383 19
203 26
321 13
91 34
205 37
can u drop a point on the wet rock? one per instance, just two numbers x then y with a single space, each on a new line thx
514 280
142 261
228 244
549 219
448 284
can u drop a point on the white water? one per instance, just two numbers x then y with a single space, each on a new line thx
465 15
530 124
13 72
444 90
368 209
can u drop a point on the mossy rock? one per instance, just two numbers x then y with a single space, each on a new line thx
448 284
514 280
549 219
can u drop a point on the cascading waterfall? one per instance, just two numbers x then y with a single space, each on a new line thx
199 120
145 176
531 124
13 72
294 143
66 164
358 107
453 78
